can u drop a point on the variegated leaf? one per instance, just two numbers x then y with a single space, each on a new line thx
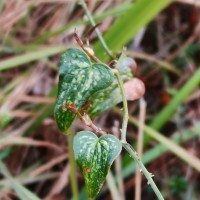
94 157
78 80
109 97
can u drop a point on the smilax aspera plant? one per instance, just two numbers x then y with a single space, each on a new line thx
86 88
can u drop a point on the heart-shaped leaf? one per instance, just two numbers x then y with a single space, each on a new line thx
78 80
94 157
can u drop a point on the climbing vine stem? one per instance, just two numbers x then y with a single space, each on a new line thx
143 169
92 22
126 146
125 106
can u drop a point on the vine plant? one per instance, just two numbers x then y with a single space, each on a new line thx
86 88
81 80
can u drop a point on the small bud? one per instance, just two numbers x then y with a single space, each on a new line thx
69 105
130 62
78 39
112 63
89 50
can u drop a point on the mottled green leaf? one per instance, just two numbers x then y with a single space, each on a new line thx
94 157
109 97
78 80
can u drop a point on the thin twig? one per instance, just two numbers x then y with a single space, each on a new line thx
191 39
89 51
113 189
172 146
91 20
161 63
59 184
45 167
138 176
118 164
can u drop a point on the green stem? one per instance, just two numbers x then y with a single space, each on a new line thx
139 14
114 12
92 22
173 147
72 163
125 106
123 137
148 176
169 110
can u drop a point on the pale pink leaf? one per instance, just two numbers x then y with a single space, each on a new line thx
134 89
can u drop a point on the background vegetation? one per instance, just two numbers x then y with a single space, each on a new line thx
162 36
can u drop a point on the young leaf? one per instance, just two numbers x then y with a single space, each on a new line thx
94 157
109 97
78 80
134 89
106 99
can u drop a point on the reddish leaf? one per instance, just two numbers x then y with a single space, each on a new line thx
134 89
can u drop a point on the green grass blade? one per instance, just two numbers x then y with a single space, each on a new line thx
190 159
127 26
183 93
30 56
160 149
5 153
21 191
